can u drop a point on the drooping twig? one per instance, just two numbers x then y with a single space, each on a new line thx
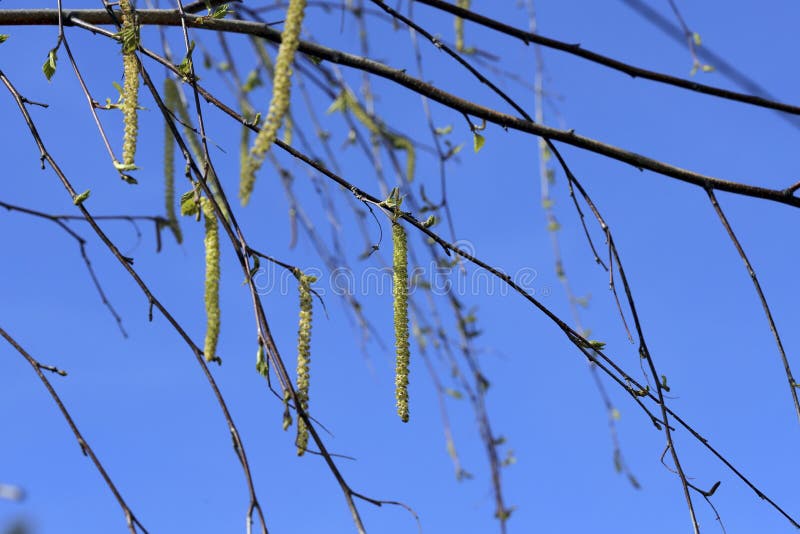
793 385
154 302
133 523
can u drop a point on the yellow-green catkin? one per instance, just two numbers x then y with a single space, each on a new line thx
459 26
170 96
400 294
303 356
281 89
180 107
211 296
244 154
130 86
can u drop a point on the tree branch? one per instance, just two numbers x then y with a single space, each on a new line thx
631 70
399 76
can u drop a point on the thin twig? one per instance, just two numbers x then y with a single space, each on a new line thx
131 520
793 385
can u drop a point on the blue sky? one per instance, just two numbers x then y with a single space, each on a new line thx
143 403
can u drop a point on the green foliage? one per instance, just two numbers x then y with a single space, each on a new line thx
49 66
478 141
78 200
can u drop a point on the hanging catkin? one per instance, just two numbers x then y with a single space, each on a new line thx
303 356
400 294
279 104
211 296
170 97
130 86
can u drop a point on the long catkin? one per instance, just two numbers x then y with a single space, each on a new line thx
400 294
211 297
130 85
281 91
304 357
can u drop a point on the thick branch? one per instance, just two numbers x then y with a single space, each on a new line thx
399 76
631 70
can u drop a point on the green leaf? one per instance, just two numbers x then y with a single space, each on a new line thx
444 130
696 39
707 68
664 385
503 515
453 393
49 67
129 37
510 459
220 12
253 80
261 362
3 37
185 67
430 221
478 141
338 104
394 200
188 205
596 345
78 200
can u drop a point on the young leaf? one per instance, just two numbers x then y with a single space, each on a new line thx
49 66
78 200
430 221
478 141
253 80
188 204
220 12
262 366
596 345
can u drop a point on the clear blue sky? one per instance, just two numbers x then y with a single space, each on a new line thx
145 407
